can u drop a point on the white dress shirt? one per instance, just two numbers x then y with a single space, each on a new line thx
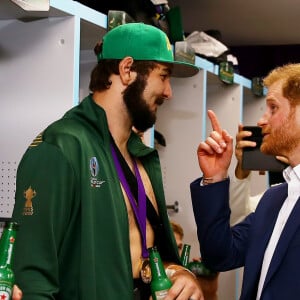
292 177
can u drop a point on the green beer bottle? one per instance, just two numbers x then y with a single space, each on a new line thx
6 252
185 255
160 283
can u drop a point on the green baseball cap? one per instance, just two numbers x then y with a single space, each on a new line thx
143 42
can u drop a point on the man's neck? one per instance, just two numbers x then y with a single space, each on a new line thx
118 120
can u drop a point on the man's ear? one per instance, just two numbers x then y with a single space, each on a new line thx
126 75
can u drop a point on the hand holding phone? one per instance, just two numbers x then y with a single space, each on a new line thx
254 159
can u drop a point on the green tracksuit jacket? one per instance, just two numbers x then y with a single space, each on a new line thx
73 241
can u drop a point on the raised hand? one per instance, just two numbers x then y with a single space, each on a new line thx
215 153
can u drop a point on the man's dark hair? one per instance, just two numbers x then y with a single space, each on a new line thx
100 74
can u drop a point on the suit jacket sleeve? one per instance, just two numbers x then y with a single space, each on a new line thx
222 247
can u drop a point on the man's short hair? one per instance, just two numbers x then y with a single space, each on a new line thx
177 228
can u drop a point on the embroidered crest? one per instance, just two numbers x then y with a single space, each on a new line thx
29 194
169 47
94 169
94 166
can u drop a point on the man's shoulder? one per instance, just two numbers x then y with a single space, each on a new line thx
274 188
63 126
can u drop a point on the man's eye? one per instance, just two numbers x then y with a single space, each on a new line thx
273 108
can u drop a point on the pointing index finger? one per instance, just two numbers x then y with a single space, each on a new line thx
214 121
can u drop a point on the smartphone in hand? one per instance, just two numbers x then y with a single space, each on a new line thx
254 159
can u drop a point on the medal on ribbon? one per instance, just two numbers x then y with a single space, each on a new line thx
139 209
146 271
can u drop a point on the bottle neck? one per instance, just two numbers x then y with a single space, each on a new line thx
7 246
157 267
185 256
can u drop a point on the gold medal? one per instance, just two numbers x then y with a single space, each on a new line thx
146 271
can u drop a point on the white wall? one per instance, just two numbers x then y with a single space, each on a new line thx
36 84
180 121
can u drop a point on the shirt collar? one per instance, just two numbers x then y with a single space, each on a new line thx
290 174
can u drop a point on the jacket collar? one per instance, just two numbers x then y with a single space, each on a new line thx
95 115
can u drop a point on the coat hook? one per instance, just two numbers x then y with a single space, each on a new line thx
174 206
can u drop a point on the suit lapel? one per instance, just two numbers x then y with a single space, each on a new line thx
263 224
288 232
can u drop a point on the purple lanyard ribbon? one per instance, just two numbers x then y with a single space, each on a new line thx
139 208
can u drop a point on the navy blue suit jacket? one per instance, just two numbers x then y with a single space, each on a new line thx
243 245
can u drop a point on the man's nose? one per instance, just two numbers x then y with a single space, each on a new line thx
262 120
168 90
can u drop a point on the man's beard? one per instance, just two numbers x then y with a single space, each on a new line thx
141 115
281 140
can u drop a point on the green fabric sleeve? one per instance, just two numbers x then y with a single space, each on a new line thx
44 200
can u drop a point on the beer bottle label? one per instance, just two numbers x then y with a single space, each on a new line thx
5 290
160 295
